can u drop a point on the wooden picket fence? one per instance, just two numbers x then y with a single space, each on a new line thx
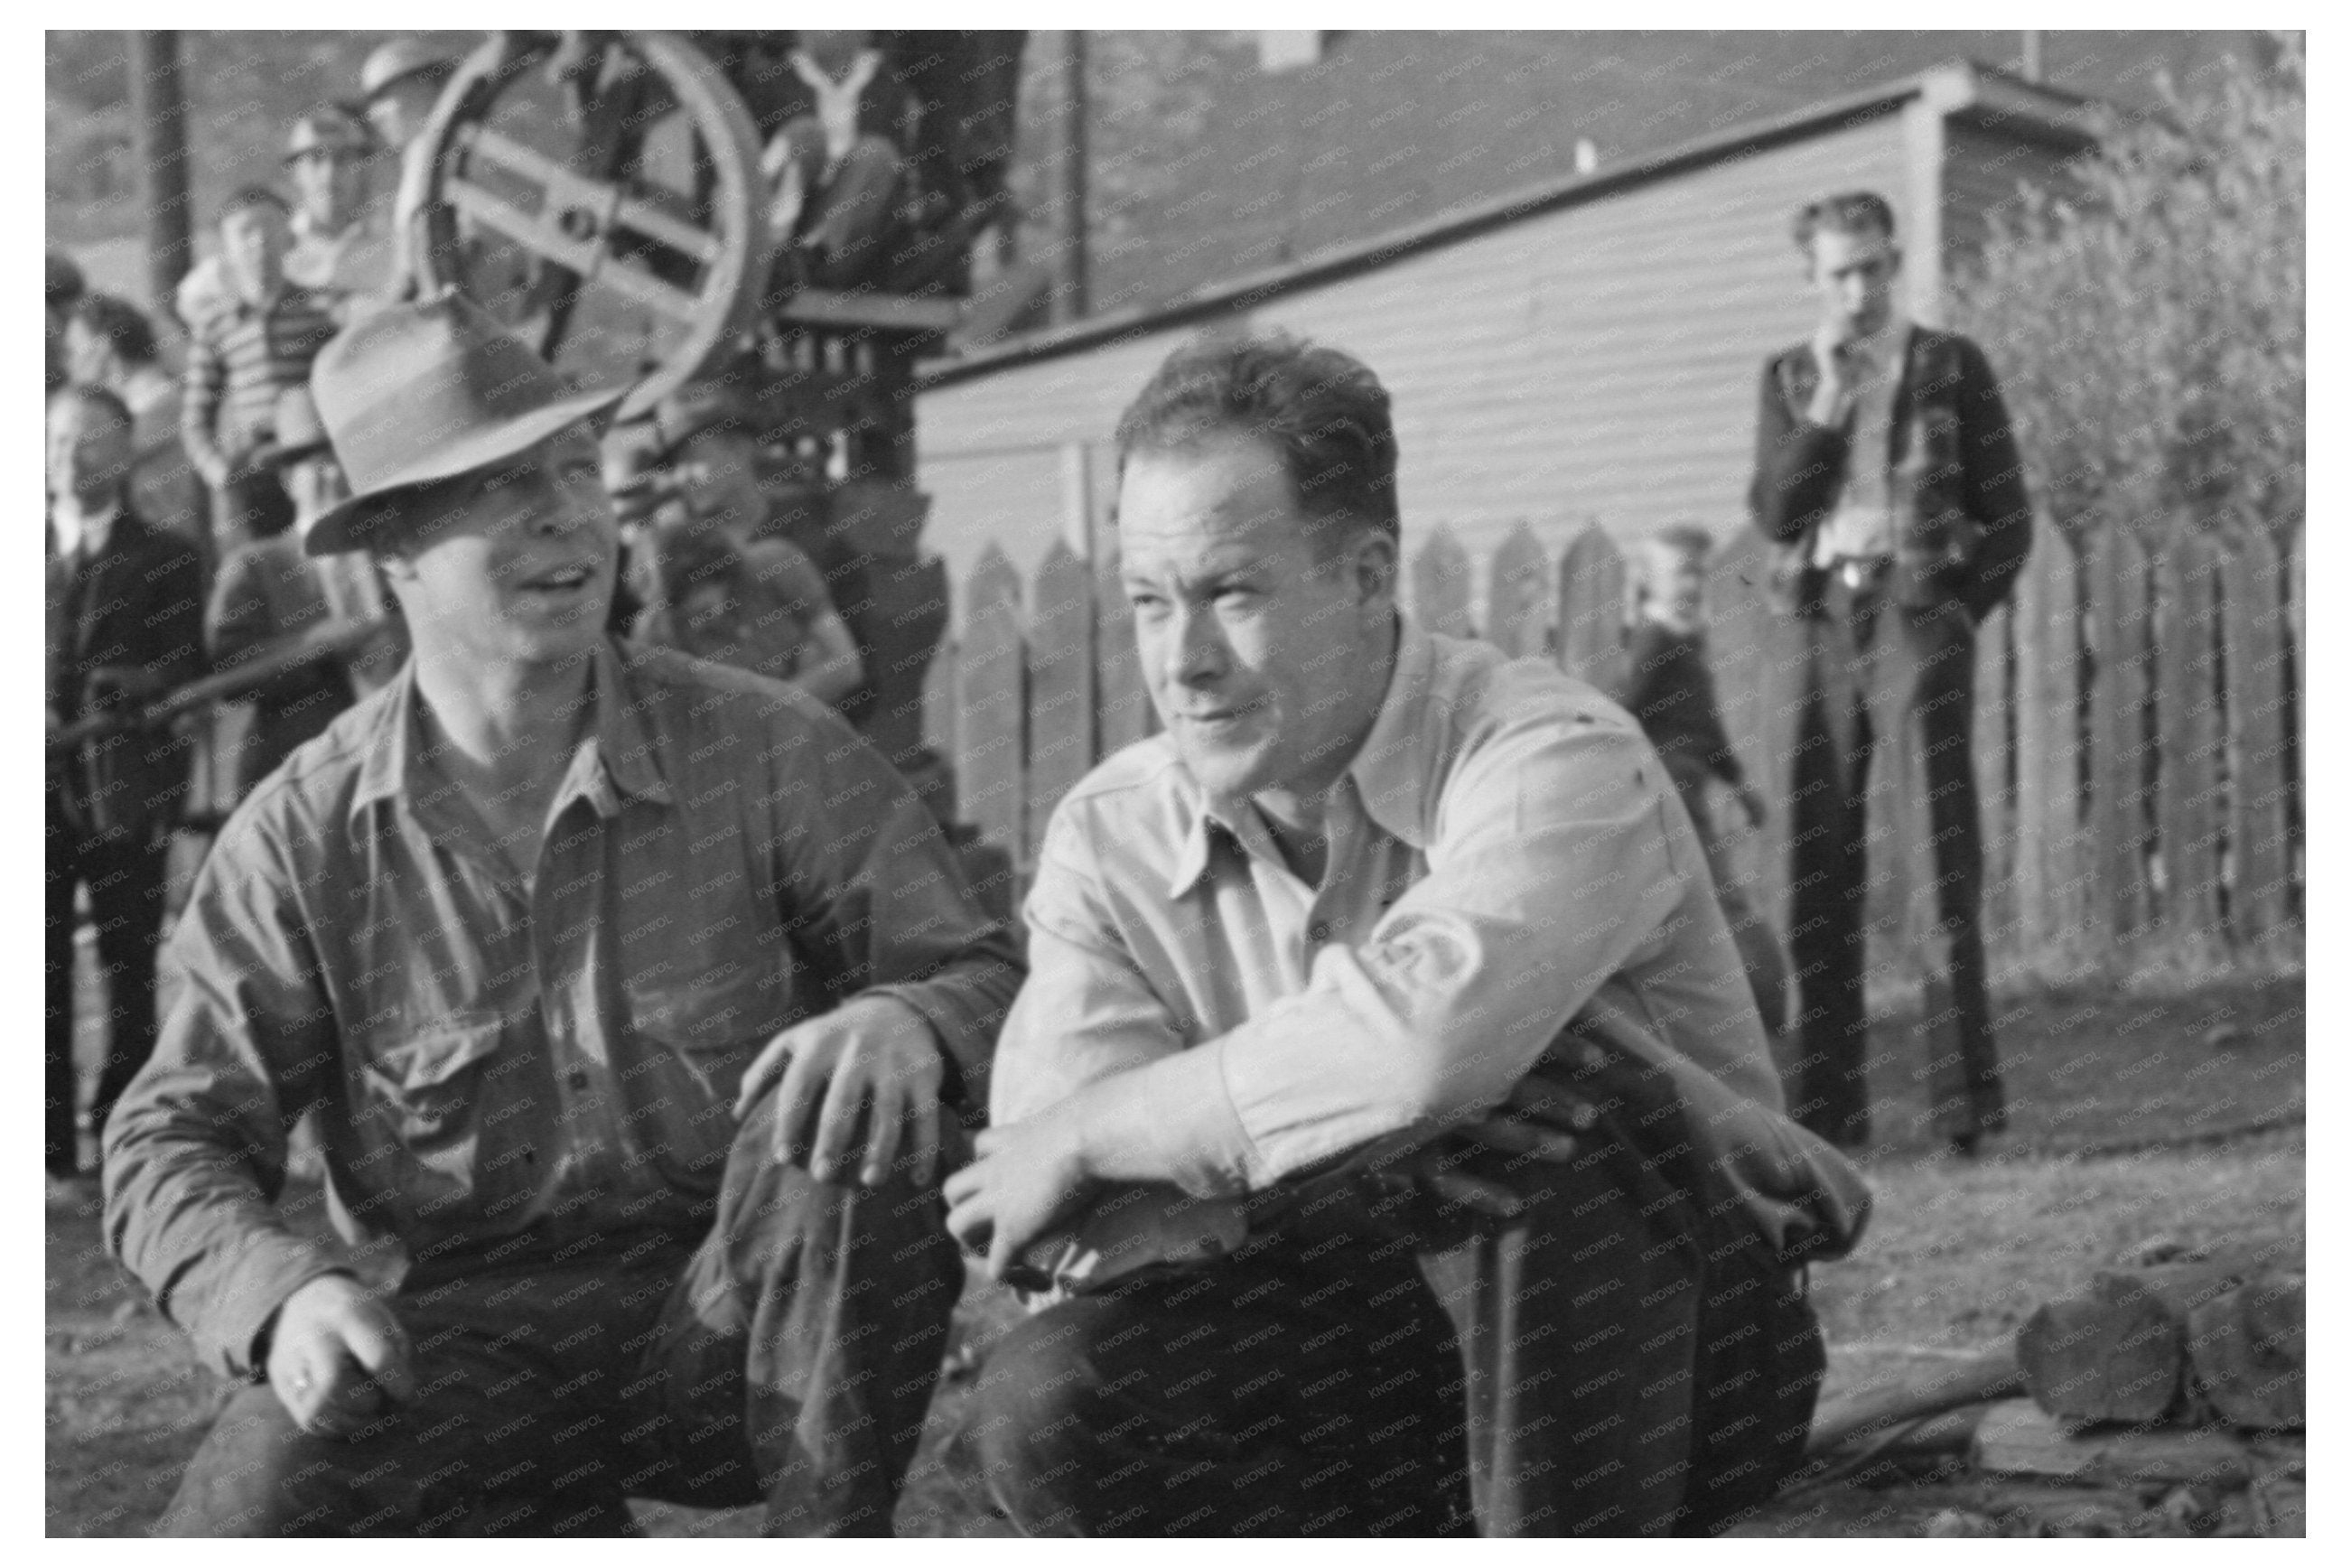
2138 729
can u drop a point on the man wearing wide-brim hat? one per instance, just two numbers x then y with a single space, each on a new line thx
632 1000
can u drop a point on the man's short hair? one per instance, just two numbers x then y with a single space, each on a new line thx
1848 212
1324 411
122 324
246 198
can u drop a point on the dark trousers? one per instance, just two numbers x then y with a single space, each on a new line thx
1273 1394
125 878
1887 719
1628 1361
788 1359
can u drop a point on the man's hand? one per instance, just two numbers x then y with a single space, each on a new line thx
1829 342
1538 1122
212 466
336 1355
1750 800
1028 1178
872 1060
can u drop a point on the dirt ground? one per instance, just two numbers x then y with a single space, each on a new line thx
2137 1122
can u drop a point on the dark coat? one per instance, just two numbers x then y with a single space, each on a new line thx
139 605
1975 472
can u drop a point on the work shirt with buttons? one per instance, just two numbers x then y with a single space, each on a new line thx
502 1067
1507 868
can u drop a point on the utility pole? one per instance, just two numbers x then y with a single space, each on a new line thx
160 146
1070 203
2031 54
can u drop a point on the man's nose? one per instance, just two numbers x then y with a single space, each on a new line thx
1195 651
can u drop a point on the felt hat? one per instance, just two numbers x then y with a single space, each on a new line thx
414 394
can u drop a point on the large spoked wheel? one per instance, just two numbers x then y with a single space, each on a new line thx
608 205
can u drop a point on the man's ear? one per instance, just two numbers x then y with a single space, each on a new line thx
1372 556
395 566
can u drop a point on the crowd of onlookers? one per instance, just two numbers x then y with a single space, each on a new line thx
178 503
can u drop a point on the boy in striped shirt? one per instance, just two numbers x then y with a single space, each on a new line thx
240 358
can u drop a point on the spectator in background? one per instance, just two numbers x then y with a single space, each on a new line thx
61 288
704 436
343 250
125 624
399 84
1669 685
1669 688
837 124
1889 483
271 595
707 600
109 343
241 357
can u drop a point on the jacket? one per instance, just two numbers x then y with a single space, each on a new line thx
1970 526
138 604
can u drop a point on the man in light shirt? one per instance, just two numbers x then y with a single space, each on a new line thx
1386 1101
1887 477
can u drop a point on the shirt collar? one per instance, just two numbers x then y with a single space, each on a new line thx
615 757
1389 772
94 532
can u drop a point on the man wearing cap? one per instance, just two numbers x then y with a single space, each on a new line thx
343 247
271 593
630 996
241 357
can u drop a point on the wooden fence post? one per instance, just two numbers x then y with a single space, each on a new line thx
2049 843
1440 585
2190 793
1592 608
992 707
2121 624
1060 685
2253 607
1519 605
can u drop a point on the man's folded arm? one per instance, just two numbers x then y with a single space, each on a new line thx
1552 866
195 1150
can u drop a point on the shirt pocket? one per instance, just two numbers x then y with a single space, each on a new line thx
428 1088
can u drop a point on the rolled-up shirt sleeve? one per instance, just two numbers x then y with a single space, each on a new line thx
195 1150
1553 862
